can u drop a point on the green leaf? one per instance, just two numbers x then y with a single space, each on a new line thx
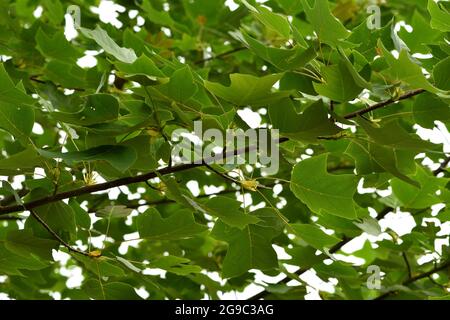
81 216
58 216
23 160
142 66
440 18
405 70
13 264
181 86
109 45
109 291
246 89
114 212
55 11
98 108
251 247
339 84
422 34
120 157
56 47
229 211
16 119
179 225
9 189
273 21
428 108
375 158
314 236
440 74
24 243
155 16
308 126
418 198
283 59
391 134
322 192
101 267
329 29
177 265
10 93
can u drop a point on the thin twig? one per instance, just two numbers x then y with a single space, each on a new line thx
383 104
11 218
221 55
408 266
55 235
427 274
334 249
170 169
442 167
123 181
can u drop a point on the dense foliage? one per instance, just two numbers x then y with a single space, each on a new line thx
89 191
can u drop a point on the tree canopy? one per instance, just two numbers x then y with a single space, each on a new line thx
93 205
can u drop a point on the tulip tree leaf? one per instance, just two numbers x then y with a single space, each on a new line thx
314 236
98 108
109 291
322 192
246 89
329 29
120 157
250 246
102 103
422 197
440 17
180 225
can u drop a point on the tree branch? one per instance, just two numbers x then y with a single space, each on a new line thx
11 198
442 167
383 104
408 266
167 170
121 181
336 248
408 281
11 218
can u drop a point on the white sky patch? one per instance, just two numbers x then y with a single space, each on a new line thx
69 30
213 189
87 61
154 272
142 293
253 119
311 278
193 188
37 129
231 4
401 222
108 12
37 13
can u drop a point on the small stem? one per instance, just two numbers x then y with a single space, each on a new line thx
442 167
55 235
408 266
221 55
